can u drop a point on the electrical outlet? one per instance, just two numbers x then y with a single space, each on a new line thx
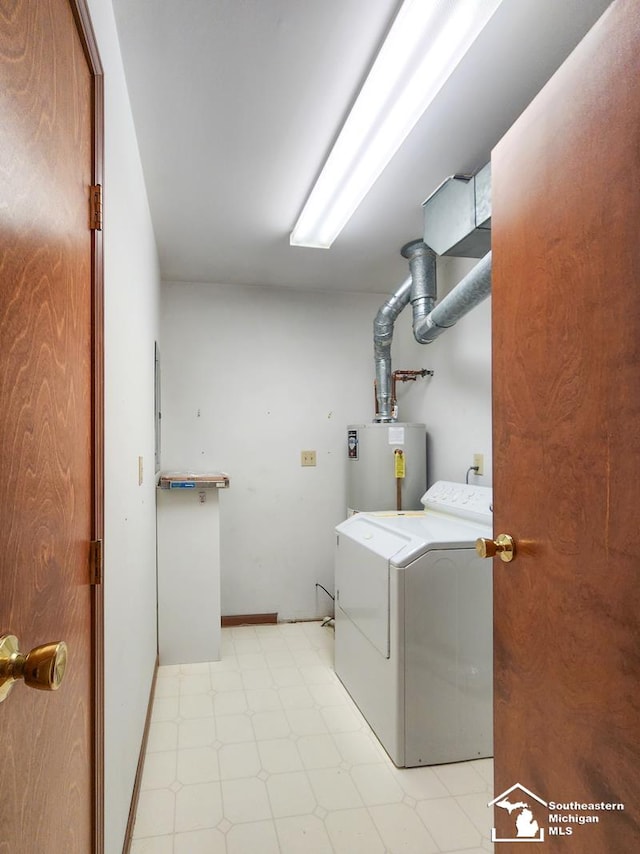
307 458
478 462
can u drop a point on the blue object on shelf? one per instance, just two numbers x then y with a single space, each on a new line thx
193 480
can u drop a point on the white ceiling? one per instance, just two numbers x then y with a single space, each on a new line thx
237 102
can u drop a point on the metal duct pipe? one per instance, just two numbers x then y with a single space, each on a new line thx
467 294
428 322
382 338
422 263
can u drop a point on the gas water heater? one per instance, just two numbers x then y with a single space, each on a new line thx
386 466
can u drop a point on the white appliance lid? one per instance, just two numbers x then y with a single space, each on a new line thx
455 516
429 532
374 535
404 537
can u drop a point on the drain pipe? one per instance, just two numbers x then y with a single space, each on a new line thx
467 294
382 338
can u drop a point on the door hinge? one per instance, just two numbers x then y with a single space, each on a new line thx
95 207
96 561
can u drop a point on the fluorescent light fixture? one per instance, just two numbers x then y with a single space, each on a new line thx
426 42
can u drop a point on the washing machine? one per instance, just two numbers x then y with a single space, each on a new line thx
414 625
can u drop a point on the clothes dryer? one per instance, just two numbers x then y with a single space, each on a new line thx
413 621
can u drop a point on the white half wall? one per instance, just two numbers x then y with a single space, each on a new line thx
250 378
131 323
455 403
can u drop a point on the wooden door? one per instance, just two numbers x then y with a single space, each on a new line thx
50 505
566 362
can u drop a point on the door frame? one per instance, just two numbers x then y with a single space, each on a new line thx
87 36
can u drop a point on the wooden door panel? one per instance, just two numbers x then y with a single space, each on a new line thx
566 362
46 469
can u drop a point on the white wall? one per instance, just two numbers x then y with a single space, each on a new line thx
271 372
252 376
131 319
455 403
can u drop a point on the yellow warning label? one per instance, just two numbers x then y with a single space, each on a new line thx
399 462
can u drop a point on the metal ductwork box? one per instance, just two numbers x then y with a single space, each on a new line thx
457 216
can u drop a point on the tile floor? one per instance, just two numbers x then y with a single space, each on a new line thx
264 751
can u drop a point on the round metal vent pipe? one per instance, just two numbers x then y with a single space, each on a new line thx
382 338
429 320
422 263
467 294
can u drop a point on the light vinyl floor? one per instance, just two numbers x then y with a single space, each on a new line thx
264 751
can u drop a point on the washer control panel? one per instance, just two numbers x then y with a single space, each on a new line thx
460 499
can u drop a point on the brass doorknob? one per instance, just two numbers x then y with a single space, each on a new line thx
42 668
503 546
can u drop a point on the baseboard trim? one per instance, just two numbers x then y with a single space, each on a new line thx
128 837
248 620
